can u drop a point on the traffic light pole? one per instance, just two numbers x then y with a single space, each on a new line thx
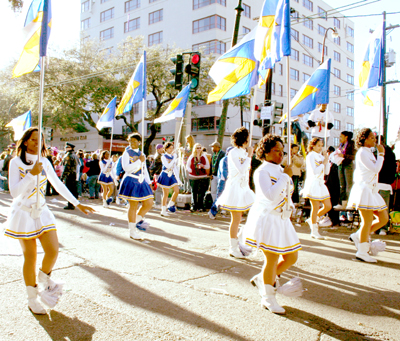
222 121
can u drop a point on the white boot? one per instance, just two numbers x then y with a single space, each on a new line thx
269 302
234 250
105 203
164 212
314 232
50 291
362 253
355 238
342 206
33 302
134 232
257 281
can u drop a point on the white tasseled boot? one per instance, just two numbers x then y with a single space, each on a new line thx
164 212
355 238
314 232
33 302
134 232
234 250
50 290
269 302
257 281
362 253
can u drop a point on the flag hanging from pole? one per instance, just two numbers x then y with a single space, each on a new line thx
177 107
371 74
136 90
106 119
36 35
20 124
235 72
272 40
313 92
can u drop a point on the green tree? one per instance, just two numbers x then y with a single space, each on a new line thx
16 5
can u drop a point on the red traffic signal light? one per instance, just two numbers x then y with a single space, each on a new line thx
195 58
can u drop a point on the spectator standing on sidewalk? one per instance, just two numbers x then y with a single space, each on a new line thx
216 158
297 167
4 169
93 174
70 173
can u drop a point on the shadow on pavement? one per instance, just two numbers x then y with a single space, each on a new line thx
137 296
61 327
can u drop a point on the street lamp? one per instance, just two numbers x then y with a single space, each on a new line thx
335 34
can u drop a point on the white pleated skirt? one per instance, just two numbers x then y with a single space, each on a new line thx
365 198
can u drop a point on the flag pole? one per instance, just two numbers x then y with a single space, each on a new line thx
253 110
143 116
381 111
41 90
288 126
326 127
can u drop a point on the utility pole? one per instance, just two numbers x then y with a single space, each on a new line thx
222 120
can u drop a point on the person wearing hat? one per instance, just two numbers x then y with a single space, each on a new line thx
216 158
71 172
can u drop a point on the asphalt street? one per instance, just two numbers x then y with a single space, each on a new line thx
180 284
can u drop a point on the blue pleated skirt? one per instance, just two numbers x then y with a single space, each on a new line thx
104 179
132 189
166 181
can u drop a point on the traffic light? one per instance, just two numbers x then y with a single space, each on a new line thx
193 70
177 72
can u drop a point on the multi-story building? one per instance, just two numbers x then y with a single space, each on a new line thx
191 24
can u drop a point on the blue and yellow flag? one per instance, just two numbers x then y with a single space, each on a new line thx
36 32
20 124
371 74
106 119
136 90
313 92
235 72
177 107
272 40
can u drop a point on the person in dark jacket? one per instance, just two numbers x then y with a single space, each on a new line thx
93 174
216 158
71 172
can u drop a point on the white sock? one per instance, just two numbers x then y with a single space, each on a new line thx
164 208
171 203
139 218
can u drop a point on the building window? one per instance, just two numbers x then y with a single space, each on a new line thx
321 30
85 24
155 38
350 96
336 73
350 127
246 125
247 11
296 16
336 22
350 47
157 125
294 74
107 15
212 46
155 16
306 77
336 40
336 56
350 79
85 40
131 5
320 49
280 69
350 63
309 42
273 88
337 124
246 30
107 34
85 6
307 60
336 90
280 90
336 142
132 25
336 107
205 123
350 111
294 54
308 23
292 93
294 34
350 31
209 23
308 4
322 13
201 3
151 104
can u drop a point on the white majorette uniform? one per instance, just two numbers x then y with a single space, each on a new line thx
20 224
266 227
237 195
135 184
365 192
314 186
107 174
169 176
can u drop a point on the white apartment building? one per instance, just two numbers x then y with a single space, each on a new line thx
190 24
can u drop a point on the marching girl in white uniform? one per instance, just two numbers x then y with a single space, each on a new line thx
237 196
268 225
27 223
364 194
136 186
169 178
106 177
314 186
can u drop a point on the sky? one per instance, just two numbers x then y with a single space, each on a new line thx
66 28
